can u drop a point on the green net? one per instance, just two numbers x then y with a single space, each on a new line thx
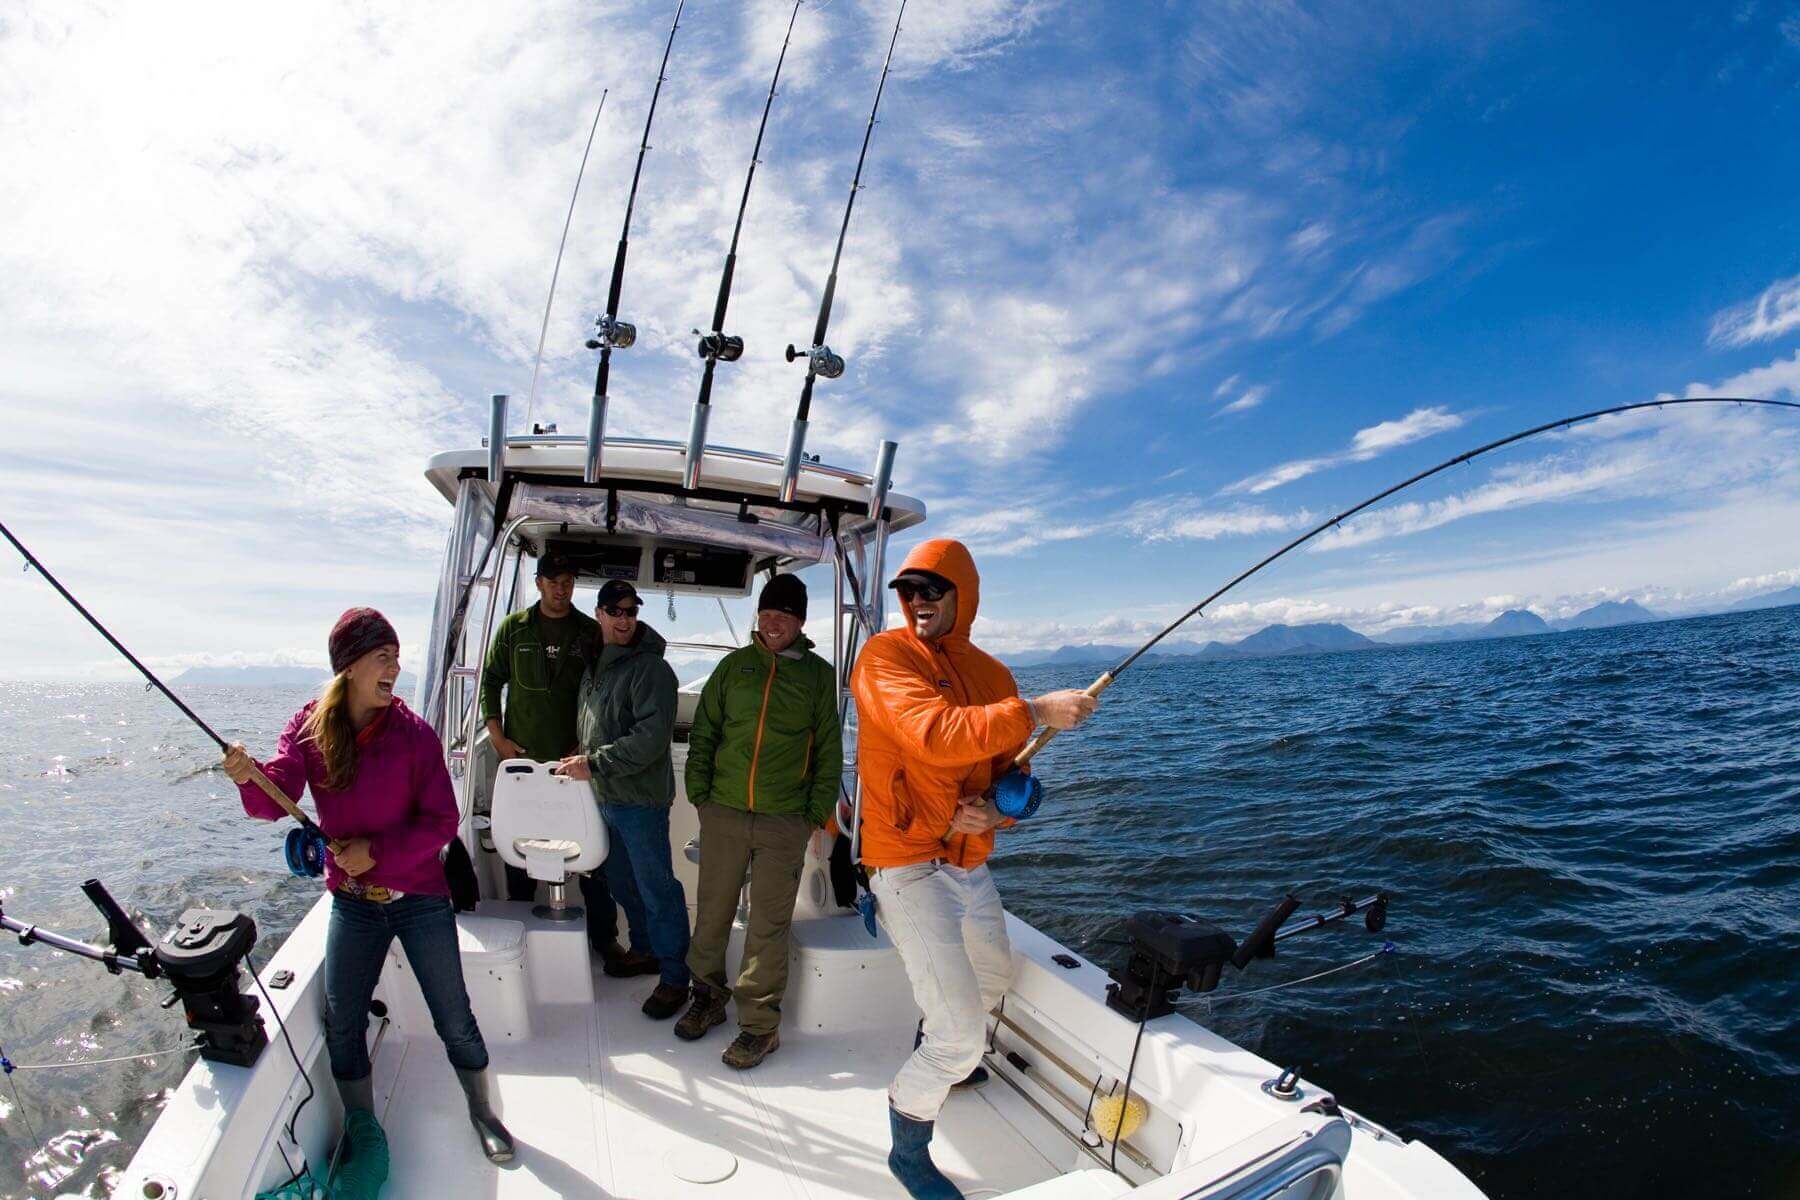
361 1171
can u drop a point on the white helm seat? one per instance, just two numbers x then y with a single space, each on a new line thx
549 826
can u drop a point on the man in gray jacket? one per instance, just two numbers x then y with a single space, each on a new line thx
625 722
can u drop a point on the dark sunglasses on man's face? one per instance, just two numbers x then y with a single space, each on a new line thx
920 589
619 610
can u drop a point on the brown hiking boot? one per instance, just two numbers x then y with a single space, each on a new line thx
707 1010
750 1049
665 1001
628 963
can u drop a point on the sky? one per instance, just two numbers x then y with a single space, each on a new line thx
1140 297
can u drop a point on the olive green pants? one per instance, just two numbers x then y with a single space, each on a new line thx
772 847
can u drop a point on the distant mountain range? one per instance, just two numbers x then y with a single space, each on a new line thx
272 677
1325 637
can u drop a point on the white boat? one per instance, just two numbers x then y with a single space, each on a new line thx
604 1102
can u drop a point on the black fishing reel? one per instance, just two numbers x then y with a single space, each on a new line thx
722 347
820 361
612 333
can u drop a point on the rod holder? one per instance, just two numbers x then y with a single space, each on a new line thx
696 446
596 438
790 463
496 447
881 480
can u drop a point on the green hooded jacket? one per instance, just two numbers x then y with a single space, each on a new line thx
626 721
542 680
765 737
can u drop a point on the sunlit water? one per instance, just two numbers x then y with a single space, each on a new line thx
1592 841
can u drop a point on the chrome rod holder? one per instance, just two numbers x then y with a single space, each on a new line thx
696 446
882 480
596 437
496 446
790 463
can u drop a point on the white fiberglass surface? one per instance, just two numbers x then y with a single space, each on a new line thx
605 1102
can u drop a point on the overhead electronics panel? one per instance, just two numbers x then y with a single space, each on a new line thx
657 565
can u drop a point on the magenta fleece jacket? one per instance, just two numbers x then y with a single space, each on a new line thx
401 800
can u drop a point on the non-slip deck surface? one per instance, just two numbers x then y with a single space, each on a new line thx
605 1102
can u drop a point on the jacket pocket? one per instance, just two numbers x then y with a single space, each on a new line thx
529 672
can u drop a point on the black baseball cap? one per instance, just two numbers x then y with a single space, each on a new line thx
923 576
615 592
555 564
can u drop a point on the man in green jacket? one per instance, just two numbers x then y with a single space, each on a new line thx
764 760
625 723
537 659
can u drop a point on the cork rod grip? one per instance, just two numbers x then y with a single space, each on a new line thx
1046 733
287 806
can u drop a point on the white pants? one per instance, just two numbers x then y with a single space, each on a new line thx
951 933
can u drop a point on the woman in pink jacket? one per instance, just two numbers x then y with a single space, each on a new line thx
378 781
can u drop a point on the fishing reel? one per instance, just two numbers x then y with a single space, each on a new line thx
612 333
1171 950
1017 795
304 852
820 361
721 347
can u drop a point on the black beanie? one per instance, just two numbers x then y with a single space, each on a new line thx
784 593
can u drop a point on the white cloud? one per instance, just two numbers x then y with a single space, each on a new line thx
1770 315
1191 519
1368 443
1251 397
1227 385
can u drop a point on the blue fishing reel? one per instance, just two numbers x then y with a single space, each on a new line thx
304 850
1017 795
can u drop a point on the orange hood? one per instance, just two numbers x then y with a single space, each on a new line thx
952 560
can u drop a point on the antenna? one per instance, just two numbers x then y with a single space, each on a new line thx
538 362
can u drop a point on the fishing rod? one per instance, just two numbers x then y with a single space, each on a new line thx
820 360
610 333
718 346
1013 790
556 268
256 775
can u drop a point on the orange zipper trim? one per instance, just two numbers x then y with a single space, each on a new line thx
762 718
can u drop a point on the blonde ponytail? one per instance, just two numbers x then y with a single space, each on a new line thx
328 727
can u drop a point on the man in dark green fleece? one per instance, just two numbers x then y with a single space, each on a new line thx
764 760
537 659
625 724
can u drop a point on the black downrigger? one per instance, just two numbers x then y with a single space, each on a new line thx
1172 950
199 957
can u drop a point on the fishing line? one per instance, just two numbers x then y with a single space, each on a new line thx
1106 679
185 1048
556 269
19 1103
1386 948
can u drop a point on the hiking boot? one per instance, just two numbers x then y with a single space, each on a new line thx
707 1010
665 1001
750 1049
631 962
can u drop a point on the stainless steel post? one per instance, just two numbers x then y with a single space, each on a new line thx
496 446
696 446
790 463
596 436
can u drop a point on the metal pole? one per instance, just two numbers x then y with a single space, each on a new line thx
496 446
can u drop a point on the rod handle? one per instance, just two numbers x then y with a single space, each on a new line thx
288 806
1046 733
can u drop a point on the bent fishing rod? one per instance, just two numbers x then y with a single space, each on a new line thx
1106 679
256 775
610 333
820 360
718 346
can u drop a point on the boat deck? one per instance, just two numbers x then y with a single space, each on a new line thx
605 1102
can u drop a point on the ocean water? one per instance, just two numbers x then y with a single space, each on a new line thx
1592 842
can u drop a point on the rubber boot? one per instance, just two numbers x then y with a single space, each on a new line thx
357 1093
910 1159
496 1143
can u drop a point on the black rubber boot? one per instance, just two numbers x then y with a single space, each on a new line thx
496 1143
357 1093
910 1159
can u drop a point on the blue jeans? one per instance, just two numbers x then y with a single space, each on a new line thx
356 945
603 914
642 879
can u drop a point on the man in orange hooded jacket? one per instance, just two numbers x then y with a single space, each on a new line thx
940 721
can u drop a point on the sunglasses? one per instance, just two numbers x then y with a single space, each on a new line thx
619 610
910 589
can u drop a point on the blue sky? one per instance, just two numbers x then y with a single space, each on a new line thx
1140 290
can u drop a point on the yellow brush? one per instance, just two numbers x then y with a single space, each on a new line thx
1114 1114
